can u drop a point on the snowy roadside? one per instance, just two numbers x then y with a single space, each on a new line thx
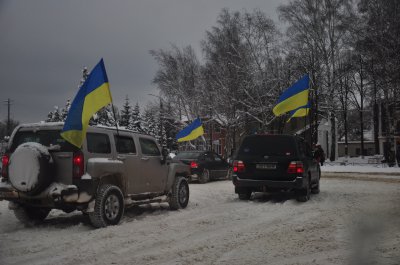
349 222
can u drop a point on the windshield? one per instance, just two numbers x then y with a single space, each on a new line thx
48 138
187 155
268 146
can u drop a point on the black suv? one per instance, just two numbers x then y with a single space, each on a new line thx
273 163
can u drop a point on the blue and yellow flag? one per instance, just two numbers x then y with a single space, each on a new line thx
300 111
93 95
191 132
293 97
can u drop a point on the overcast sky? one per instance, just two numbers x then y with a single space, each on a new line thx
44 44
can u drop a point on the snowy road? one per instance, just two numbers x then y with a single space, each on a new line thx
351 221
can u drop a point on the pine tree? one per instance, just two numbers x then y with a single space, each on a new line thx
126 113
56 115
149 123
64 111
135 120
105 117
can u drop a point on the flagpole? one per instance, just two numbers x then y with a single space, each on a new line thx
115 117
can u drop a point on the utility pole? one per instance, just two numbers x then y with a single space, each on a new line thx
8 102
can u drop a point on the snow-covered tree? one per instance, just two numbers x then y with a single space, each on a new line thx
135 120
105 117
126 113
64 111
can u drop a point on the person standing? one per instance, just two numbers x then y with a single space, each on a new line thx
319 154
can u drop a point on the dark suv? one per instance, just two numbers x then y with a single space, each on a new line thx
273 163
204 165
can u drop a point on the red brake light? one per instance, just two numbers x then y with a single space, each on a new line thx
78 161
238 166
5 160
194 164
295 167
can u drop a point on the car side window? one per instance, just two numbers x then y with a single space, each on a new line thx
217 158
98 143
149 147
125 145
208 157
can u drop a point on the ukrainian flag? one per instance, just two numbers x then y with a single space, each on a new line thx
293 97
300 111
191 132
93 95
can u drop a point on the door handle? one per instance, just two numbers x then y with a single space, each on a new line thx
145 158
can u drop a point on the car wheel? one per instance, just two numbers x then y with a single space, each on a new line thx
315 189
109 206
30 168
304 195
31 215
204 176
179 197
245 196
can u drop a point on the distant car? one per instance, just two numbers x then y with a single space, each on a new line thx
204 165
273 163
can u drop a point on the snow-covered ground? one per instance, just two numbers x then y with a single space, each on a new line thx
350 222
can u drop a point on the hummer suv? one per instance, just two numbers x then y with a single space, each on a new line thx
41 171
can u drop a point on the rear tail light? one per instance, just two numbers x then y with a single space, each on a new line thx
78 161
5 161
194 164
238 166
295 167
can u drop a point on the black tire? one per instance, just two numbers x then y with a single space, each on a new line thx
304 195
245 196
30 182
204 176
179 197
109 206
315 188
30 216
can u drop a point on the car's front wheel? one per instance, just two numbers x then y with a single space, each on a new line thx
109 206
179 197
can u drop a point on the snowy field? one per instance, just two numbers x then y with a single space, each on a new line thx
351 221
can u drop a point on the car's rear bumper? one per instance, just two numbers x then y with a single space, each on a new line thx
298 182
54 194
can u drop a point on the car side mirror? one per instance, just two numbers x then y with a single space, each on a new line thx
164 153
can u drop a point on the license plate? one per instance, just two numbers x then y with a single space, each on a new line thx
266 166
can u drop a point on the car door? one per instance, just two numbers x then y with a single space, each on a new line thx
127 153
153 171
220 166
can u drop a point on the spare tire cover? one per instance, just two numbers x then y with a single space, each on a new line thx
28 167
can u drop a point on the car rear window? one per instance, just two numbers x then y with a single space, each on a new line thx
268 145
48 138
187 155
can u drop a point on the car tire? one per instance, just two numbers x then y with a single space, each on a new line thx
304 195
245 196
204 176
22 174
109 206
315 189
30 216
179 197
